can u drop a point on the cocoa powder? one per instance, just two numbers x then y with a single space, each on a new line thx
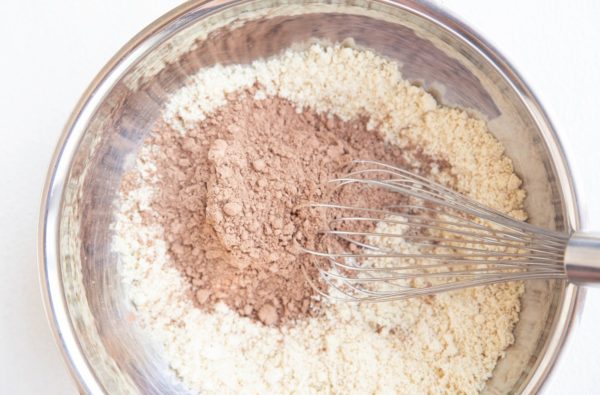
228 196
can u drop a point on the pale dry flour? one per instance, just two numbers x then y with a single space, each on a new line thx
446 343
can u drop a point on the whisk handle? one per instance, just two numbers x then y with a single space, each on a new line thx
582 259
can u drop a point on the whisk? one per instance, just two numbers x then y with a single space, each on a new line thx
426 238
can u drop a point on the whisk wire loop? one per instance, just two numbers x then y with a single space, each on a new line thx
429 240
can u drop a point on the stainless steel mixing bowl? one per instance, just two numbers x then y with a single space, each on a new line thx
84 296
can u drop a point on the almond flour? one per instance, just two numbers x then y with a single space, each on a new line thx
446 343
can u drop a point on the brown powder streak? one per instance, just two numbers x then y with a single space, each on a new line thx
228 192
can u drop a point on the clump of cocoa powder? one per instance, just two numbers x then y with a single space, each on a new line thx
228 192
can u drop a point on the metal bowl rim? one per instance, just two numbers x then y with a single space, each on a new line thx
50 276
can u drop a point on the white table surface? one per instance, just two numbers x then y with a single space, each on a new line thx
51 50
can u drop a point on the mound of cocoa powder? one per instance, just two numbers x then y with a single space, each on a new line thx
228 193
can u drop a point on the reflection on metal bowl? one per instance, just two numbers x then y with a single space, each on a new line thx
84 296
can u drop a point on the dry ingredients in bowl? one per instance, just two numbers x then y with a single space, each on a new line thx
207 230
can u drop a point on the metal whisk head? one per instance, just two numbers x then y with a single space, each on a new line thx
392 234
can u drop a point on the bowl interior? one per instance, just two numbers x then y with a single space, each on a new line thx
123 361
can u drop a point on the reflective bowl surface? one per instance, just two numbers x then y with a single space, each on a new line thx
84 295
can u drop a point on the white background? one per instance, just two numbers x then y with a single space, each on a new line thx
51 50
